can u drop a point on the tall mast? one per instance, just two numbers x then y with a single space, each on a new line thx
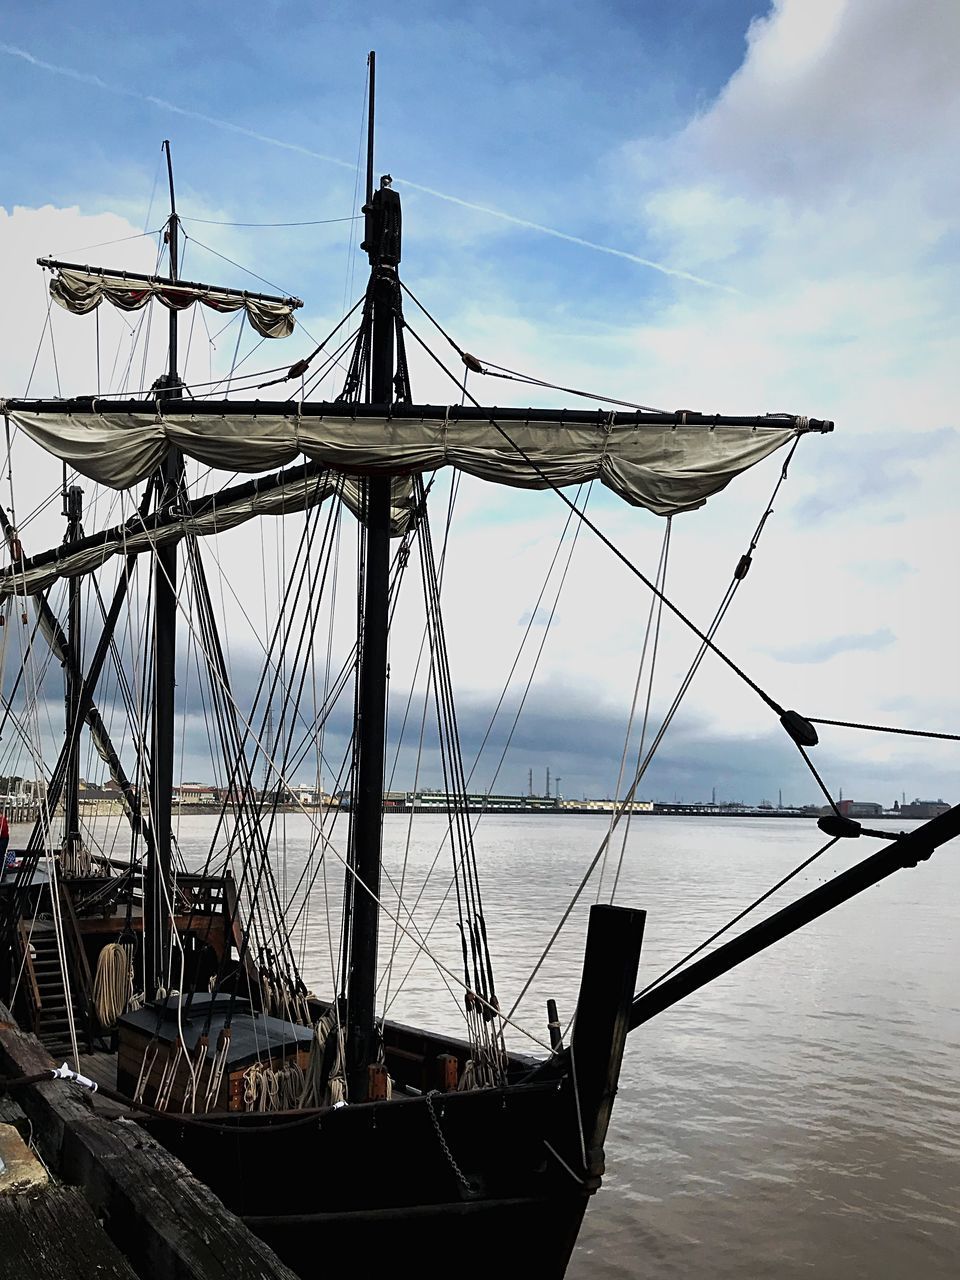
382 243
73 510
159 880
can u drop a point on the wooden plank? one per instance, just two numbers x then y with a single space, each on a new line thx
21 1172
54 1235
12 1113
102 1067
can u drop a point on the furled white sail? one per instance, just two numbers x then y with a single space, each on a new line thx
82 291
665 468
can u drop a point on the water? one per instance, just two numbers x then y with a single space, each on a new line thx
799 1117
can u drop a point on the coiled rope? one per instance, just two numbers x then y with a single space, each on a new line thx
113 983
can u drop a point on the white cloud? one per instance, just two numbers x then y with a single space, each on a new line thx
820 185
831 94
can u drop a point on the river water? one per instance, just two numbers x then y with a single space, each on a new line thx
800 1117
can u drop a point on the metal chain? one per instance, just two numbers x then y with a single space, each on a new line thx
443 1142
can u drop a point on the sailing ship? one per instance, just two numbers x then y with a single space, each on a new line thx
320 1122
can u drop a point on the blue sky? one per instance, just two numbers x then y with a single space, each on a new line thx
524 108
533 86
782 181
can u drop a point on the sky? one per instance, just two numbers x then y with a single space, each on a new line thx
734 207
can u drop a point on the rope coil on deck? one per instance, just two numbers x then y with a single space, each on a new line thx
113 983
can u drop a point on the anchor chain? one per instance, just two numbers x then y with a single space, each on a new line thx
461 1176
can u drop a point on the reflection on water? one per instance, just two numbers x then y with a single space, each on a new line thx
800 1117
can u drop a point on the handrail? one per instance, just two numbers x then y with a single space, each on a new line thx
74 941
34 998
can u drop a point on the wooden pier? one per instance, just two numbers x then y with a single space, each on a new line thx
159 1222
19 810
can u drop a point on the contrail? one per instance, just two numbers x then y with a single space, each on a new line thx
564 235
86 78
228 126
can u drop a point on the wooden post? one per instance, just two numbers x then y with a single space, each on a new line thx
614 938
376 1082
447 1072
553 1025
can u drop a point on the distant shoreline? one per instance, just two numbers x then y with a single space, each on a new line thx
565 809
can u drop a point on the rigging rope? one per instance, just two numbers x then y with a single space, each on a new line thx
244 720
794 724
388 976
322 222
739 574
113 983
489 1052
886 728
500 371
661 581
611 546
545 632
239 265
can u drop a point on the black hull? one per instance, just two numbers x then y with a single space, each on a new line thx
437 1178
378 1176
518 1238
428 1176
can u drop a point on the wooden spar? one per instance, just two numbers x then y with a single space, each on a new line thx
138 277
371 116
116 537
367 812
454 414
86 685
912 847
173 227
86 709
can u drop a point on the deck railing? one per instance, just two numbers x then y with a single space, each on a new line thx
200 895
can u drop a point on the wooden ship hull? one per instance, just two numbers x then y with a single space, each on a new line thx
426 1173
422 1173
380 1176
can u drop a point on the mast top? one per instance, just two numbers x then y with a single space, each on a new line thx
383 225
371 94
381 209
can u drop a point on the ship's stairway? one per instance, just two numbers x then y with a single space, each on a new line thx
52 1023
